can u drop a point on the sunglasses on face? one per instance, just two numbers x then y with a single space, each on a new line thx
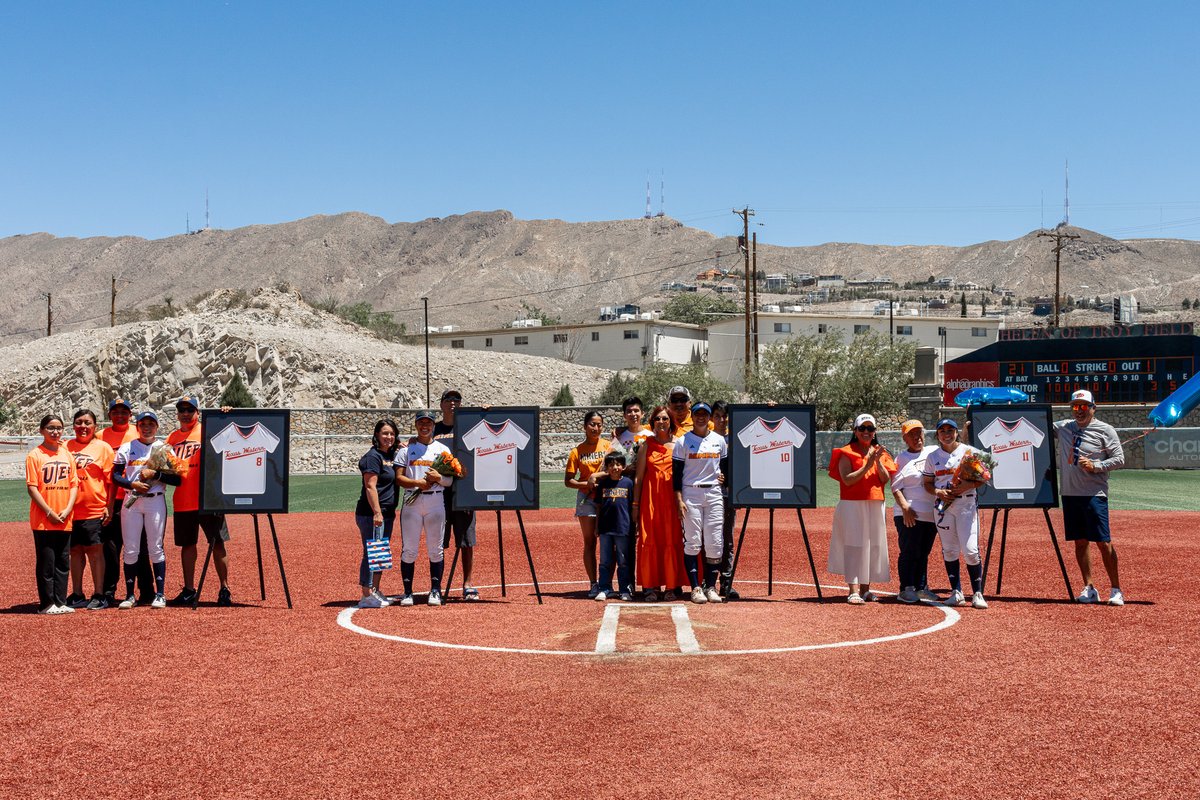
662 419
866 428
678 400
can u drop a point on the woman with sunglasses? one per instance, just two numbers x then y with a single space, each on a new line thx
52 484
858 546
583 470
660 539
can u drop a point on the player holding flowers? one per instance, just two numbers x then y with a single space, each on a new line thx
952 474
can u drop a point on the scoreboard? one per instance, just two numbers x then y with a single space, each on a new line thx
1117 363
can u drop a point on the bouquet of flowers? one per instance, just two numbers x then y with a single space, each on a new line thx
162 459
975 466
445 464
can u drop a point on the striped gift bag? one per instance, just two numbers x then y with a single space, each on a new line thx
379 552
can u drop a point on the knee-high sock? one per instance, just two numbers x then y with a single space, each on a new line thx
692 564
710 575
130 578
406 573
976 573
952 574
435 575
160 576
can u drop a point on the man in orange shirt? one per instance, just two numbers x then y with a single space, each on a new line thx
187 443
679 406
117 434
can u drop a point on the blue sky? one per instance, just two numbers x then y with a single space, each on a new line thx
891 123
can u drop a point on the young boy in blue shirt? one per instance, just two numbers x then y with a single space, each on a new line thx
614 498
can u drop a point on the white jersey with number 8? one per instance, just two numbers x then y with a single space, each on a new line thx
244 470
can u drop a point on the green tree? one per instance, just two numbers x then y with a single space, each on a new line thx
655 382
563 396
963 301
236 394
695 308
533 312
866 374
1186 304
6 412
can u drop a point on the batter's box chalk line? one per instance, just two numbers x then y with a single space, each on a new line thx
685 636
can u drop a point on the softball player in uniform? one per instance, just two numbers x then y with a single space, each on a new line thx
958 524
414 470
699 465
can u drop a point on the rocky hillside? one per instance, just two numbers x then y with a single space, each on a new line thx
289 354
478 268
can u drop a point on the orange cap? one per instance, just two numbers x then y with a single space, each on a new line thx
911 425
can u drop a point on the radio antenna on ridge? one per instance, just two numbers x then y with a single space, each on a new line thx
647 216
662 194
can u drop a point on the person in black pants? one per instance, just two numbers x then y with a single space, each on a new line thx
720 424
52 483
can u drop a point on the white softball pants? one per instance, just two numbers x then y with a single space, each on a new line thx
959 531
703 522
150 513
427 513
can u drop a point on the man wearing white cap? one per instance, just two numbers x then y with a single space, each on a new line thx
1088 450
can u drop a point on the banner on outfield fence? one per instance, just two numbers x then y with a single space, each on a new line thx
1174 448
772 456
1021 440
499 448
244 461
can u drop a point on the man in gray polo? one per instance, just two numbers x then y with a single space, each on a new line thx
1088 450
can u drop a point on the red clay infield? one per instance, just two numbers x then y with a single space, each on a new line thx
1033 698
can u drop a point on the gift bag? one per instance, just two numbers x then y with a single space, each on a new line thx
379 552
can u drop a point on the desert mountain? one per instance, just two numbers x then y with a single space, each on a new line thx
478 268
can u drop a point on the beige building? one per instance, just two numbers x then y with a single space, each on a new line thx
620 344
951 337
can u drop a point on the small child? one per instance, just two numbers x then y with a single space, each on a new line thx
614 498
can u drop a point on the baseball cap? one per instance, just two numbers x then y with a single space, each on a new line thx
701 406
147 415
947 421
679 390
910 425
1082 396
451 393
424 415
188 400
118 402
863 419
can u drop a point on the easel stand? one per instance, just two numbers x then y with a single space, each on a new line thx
771 550
500 542
262 584
1004 540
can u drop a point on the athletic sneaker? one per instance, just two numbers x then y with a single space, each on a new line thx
1088 595
698 596
97 602
1115 598
593 591
870 597
626 597
650 596
601 596
128 602
63 610
977 601
929 596
406 600
224 598
185 597
956 598
435 598
855 599
50 609
712 594
669 596
76 600
370 601
383 598
159 601
908 595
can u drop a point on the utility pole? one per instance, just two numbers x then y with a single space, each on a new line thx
1058 234
49 315
112 306
428 395
754 292
746 213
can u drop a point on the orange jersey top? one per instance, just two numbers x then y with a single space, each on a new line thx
52 474
114 440
93 465
680 428
586 459
870 487
186 447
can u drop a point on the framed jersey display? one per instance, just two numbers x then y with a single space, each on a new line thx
244 461
772 456
499 448
1021 440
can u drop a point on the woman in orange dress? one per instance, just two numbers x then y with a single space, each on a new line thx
858 545
660 532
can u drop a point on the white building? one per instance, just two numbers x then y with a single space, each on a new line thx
951 337
622 344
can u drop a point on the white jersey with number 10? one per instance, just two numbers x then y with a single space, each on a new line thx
244 467
495 454
771 445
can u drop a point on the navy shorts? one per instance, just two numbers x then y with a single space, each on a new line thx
1085 518
189 523
85 532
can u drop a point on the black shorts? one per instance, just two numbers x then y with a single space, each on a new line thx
1085 518
189 523
85 532
460 523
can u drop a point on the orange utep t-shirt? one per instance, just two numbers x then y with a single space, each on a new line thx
52 474
186 447
870 487
114 440
586 459
93 465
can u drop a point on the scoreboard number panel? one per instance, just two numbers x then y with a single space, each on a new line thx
1117 380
